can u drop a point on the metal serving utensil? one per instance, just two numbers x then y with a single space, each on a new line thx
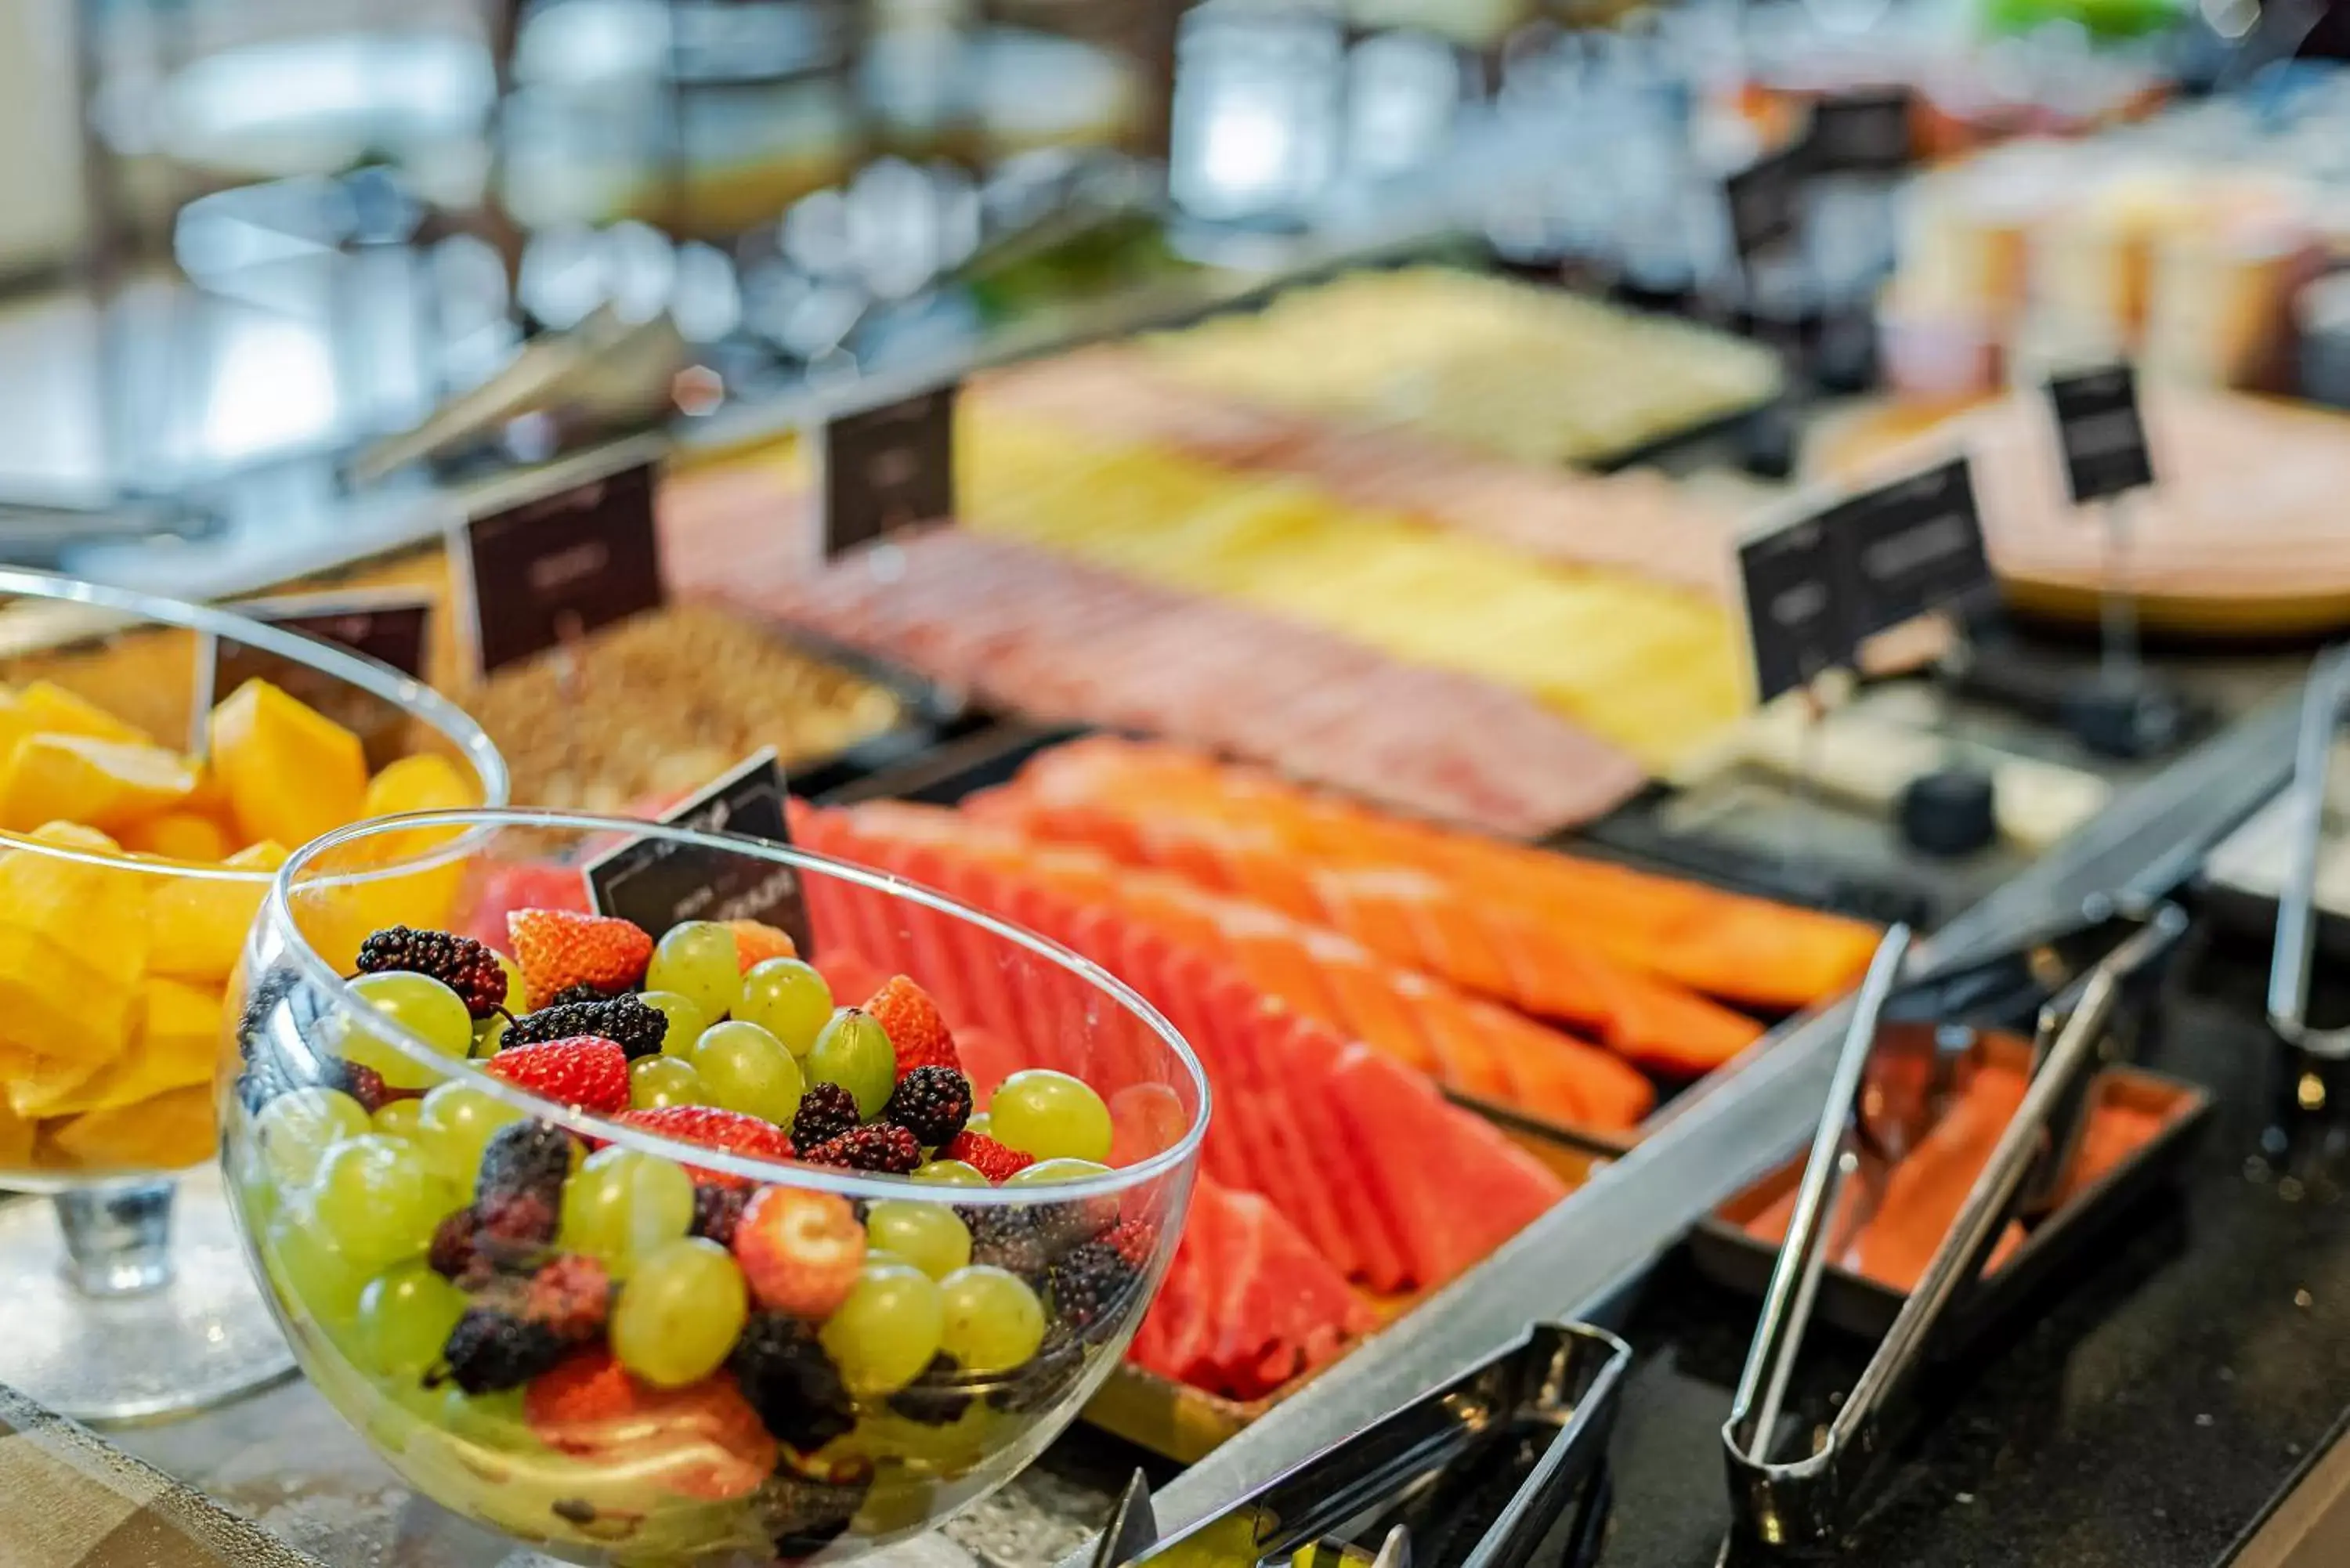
1804 1502
2323 705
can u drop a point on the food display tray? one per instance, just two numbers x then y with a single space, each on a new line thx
1725 1251
1481 1472
1185 1424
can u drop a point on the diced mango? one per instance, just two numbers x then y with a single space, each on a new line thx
179 836
177 1044
53 1007
95 916
51 1087
170 1131
16 1140
47 708
424 782
292 773
196 926
108 785
337 918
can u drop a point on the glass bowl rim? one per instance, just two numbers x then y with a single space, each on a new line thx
411 696
278 916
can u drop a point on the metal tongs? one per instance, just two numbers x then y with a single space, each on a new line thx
2323 704
1901 1065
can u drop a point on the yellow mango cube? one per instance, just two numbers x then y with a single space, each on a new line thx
179 835
108 785
425 782
15 1139
170 1131
196 926
52 1086
94 916
55 1008
291 773
47 708
176 1045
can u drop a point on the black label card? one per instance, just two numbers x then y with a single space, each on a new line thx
392 625
1864 133
658 883
1764 201
2102 432
562 566
1797 617
1914 545
888 467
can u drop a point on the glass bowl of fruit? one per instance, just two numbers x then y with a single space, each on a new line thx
141 824
783 1209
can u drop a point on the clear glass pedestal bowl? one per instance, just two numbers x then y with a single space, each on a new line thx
125 1297
664 1334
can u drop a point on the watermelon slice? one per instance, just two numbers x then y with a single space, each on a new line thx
1453 1185
1307 1052
1285 1123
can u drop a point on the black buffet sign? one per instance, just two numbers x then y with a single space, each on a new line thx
1818 588
546 570
393 626
887 467
2101 431
657 882
1862 132
1765 202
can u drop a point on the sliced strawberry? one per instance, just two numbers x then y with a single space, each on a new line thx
702 1440
800 1251
736 1132
991 1159
583 1071
755 942
558 949
916 1031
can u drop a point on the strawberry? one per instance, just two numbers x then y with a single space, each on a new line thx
991 1159
800 1250
911 1020
1133 1240
736 1132
558 949
583 1071
703 1441
755 942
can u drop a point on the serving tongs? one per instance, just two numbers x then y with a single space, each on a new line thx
2323 705
1902 1063
1473 1474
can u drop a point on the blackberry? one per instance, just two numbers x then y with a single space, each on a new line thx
933 1399
1046 1377
890 1150
518 1197
931 1103
490 1350
1007 1239
717 1210
584 990
461 963
570 1297
627 1022
784 1374
1065 1225
252 1023
1089 1283
455 1248
825 1112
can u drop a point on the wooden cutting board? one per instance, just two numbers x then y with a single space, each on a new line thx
2247 532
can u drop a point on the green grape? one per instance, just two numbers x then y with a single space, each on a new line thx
311 1272
679 1313
687 1019
885 1334
457 1123
622 1205
518 997
789 1000
378 1198
404 1319
494 1421
951 1173
419 1003
926 1235
1045 1172
296 1130
745 1068
490 1035
697 959
399 1119
853 1050
1051 1116
656 1081
993 1320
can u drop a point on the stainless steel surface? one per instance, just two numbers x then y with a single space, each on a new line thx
2296 927
1806 1500
1731 1129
